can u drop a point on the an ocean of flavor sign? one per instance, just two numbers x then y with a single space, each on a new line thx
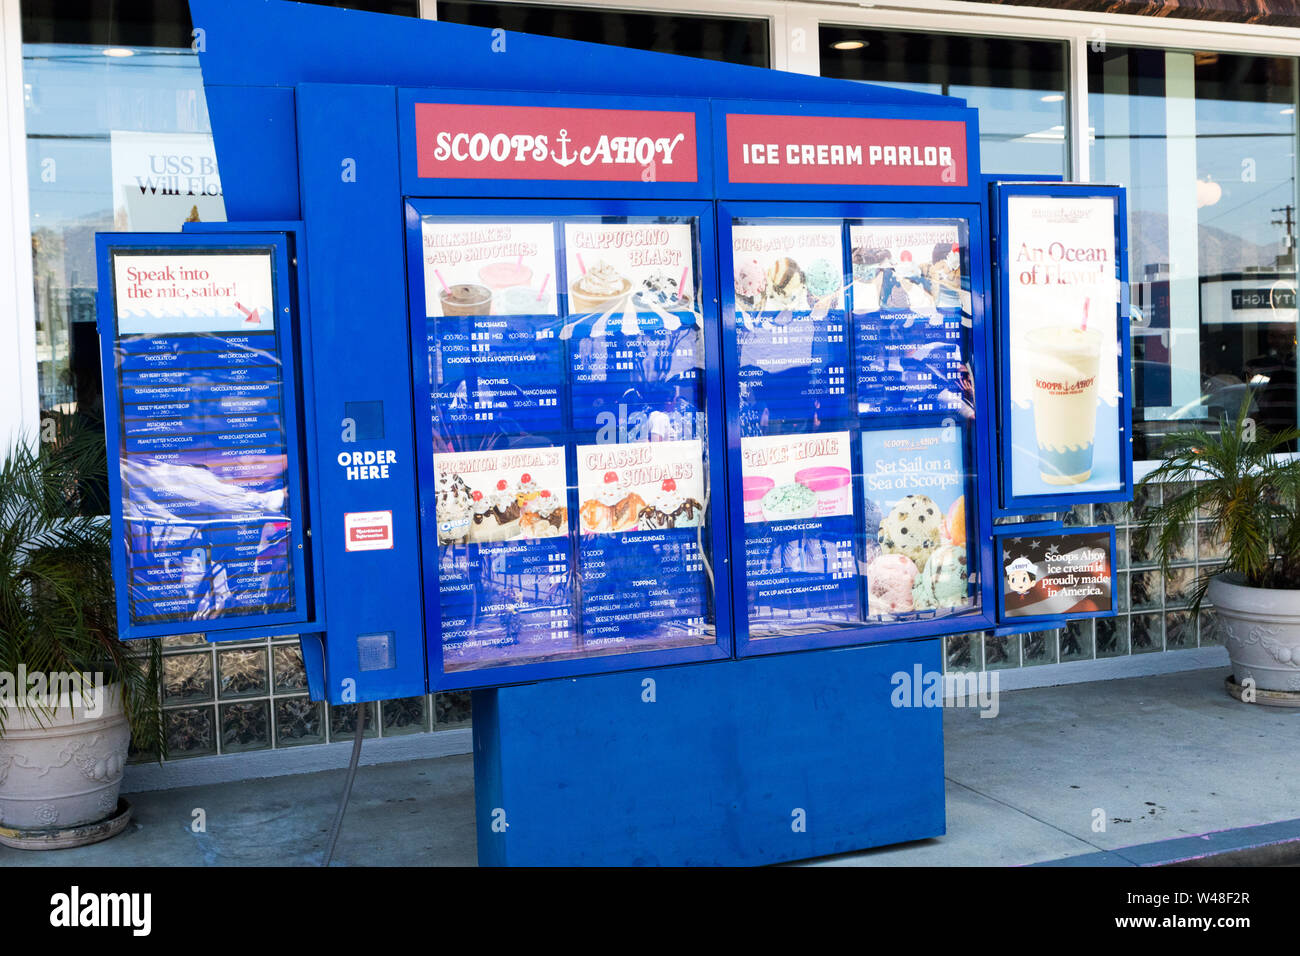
1062 345
203 461
1069 574
567 420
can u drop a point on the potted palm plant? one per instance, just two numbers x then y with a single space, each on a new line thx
1241 478
71 694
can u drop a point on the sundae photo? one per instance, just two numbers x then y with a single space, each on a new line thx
641 486
906 269
617 507
496 509
669 509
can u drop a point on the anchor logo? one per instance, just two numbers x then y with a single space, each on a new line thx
564 159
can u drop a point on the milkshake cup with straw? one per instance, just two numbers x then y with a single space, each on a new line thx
1064 365
464 298
598 289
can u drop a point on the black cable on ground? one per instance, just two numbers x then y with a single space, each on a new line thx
347 786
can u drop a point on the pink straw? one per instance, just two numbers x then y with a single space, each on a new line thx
580 263
445 287
1086 303
543 289
520 261
681 283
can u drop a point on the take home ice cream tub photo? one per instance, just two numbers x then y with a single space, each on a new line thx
789 502
755 488
832 486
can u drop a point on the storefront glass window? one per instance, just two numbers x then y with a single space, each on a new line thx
712 38
117 138
1019 86
1205 143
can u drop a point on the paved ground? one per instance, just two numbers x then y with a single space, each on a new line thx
1156 758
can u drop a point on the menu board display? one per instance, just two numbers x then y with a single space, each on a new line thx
1066 574
632 331
790 327
204 436
1062 345
852 342
570 487
491 286
911 299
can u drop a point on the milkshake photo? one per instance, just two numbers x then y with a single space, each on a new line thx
1064 363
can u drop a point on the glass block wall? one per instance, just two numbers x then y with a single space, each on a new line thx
1153 608
233 698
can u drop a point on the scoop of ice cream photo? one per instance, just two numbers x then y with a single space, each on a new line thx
914 527
942 582
751 285
890 578
823 279
785 285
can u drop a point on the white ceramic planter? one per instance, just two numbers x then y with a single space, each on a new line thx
1261 629
63 770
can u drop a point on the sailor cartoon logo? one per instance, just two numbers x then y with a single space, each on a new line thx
1021 575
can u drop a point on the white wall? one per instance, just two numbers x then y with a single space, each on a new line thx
18 395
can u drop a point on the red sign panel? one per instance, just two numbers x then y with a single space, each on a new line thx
465 141
845 151
371 533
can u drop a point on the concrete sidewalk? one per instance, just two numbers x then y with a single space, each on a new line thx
1156 758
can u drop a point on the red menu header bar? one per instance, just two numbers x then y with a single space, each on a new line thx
465 141
845 151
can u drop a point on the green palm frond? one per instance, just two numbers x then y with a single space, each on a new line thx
57 608
1244 481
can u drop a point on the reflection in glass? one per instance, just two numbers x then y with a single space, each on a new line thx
730 39
1205 143
1018 86
112 143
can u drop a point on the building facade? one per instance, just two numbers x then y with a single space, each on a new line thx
1191 106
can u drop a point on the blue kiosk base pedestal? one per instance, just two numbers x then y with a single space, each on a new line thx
744 762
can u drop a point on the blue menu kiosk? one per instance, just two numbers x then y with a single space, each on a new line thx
652 399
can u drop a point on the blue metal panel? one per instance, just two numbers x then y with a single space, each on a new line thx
270 43
947 109
253 129
734 763
351 204
984 426
715 444
414 185
1007 503
303 616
